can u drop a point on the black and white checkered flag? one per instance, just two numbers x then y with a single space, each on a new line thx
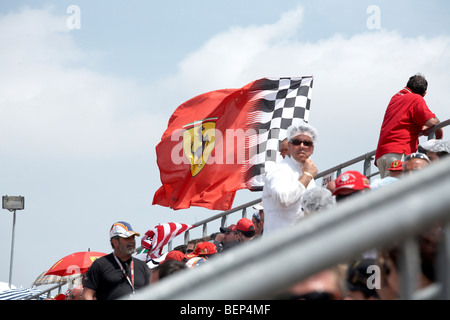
280 101
225 140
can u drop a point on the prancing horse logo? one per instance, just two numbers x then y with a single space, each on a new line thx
198 142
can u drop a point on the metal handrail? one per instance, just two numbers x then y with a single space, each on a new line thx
58 286
367 158
392 213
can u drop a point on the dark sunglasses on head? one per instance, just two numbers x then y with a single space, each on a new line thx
417 155
306 143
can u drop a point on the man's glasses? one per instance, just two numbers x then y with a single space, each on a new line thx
306 143
417 155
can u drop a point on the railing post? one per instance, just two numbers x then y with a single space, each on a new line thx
367 165
223 222
244 213
205 230
443 262
409 268
186 237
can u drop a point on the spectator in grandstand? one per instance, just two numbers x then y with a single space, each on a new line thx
406 116
350 183
258 221
284 148
193 243
317 199
389 262
75 293
117 274
227 238
190 246
166 268
258 218
435 149
181 247
331 185
395 169
415 161
175 255
245 229
203 249
287 181
360 285
202 252
328 284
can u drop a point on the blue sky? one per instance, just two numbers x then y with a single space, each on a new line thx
82 110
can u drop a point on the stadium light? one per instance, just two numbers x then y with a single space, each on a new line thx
12 204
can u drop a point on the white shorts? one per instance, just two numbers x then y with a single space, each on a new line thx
384 162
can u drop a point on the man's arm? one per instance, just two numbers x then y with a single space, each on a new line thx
431 122
88 294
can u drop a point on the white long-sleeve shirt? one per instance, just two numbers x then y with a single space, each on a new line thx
281 195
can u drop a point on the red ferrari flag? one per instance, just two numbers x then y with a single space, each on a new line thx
221 141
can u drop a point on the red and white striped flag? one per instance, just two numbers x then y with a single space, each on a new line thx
155 239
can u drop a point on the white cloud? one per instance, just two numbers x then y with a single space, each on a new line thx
224 60
355 76
52 105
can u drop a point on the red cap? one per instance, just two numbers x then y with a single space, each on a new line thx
245 225
349 182
174 255
203 248
396 165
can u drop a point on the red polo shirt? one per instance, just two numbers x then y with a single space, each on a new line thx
405 116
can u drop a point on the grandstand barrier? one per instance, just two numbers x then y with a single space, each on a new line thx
367 162
396 212
437 290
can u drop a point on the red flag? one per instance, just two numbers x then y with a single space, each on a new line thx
155 239
218 142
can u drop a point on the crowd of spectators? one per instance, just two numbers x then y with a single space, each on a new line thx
290 193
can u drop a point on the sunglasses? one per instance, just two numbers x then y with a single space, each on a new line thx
417 155
306 143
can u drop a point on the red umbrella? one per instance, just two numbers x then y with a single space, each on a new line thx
78 262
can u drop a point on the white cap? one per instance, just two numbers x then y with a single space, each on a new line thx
258 206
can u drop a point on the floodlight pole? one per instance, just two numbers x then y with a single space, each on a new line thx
12 204
12 249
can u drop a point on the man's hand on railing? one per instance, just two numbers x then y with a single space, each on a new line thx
429 127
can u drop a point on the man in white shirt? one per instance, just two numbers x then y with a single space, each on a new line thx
286 182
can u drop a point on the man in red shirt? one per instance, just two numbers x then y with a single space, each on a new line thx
406 116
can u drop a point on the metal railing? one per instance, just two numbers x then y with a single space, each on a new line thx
367 160
71 282
367 163
396 212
